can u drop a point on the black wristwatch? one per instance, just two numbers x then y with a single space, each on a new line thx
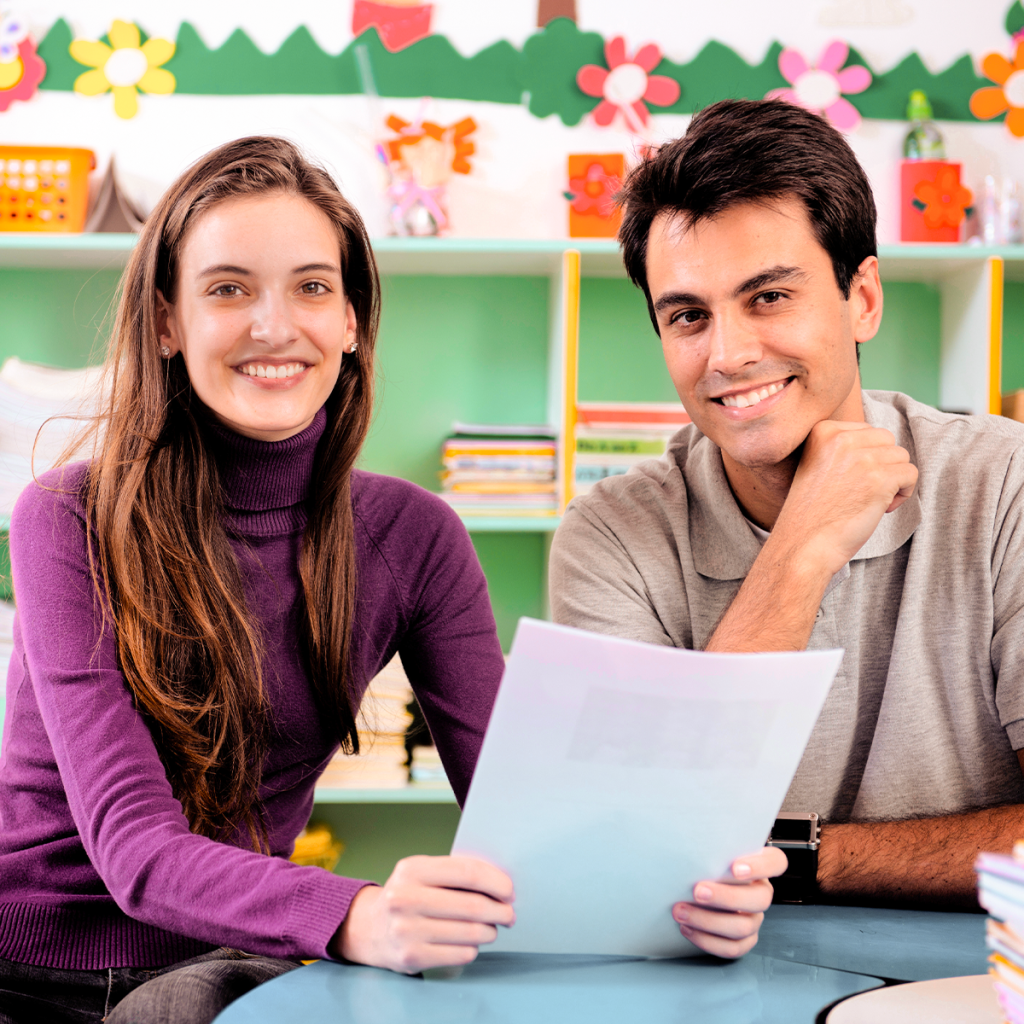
798 836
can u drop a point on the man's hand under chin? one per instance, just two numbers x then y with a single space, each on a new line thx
850 475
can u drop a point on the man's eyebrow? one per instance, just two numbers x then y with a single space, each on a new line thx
670 299
774 275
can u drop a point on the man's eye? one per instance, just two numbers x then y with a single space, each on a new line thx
689 316
769 298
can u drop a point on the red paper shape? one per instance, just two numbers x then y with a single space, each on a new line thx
933 203
398 25
34 73
594 178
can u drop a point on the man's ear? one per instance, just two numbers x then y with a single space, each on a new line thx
866 301
166 326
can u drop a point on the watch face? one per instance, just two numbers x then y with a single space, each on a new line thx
792 830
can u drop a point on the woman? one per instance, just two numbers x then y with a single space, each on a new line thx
200 608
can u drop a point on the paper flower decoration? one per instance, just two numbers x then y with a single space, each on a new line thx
626 84
1006 94
944 201
399 23
594 192
125 66
819 87
21 69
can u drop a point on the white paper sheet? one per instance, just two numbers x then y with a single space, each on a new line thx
615 775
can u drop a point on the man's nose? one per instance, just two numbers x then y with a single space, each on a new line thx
733 344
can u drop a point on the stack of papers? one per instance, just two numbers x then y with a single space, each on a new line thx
382 722
499 470
41 410
612 438
1001 893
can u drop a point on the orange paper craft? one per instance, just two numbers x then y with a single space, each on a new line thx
594 178
933 203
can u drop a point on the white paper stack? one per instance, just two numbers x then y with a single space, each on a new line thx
382 723
1001 893
30 395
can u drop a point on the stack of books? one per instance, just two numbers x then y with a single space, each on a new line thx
382 721
41 410
1001 893
499 470
426 768
613 437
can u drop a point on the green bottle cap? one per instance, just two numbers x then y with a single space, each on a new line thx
919 109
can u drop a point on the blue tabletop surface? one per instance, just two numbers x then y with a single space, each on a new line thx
903 945
524 988
807 958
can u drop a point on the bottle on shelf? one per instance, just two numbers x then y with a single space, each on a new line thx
924 140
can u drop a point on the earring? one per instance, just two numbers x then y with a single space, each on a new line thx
165 351
352 350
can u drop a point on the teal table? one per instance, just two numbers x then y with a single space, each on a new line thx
897 945
807 959
522 988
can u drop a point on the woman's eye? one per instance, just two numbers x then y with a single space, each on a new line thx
228 290
313 288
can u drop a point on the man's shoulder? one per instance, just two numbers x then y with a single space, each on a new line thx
977 444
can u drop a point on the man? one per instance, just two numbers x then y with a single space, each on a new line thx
799 512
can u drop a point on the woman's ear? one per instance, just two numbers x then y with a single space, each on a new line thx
166 327
351 327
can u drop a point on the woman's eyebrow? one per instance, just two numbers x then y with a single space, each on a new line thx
225 268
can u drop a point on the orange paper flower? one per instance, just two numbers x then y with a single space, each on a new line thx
1006 94
945 200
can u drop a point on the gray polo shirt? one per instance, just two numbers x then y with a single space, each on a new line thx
928 706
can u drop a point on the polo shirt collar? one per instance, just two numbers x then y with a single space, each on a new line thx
723 545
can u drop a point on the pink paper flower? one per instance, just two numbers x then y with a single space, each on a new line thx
818 88
627 84
20 77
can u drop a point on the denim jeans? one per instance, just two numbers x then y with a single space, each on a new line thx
190 992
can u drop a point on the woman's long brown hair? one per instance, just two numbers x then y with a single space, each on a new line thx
164 571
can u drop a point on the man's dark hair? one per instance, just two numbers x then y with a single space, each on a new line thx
753 151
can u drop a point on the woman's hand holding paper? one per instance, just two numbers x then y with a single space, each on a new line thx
724 916
431 912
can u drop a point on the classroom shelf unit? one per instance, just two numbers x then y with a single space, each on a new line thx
516 331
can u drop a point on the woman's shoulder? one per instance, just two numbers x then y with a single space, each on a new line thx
397 511
58 490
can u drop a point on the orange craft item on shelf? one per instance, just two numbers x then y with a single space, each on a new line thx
594 178
933 203
44 188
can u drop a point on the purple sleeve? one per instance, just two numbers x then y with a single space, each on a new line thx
131 826
449 649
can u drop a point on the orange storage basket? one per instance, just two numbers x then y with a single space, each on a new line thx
44 188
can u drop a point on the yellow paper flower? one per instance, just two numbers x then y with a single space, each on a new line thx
124 67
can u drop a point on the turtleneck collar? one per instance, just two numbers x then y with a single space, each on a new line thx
264 484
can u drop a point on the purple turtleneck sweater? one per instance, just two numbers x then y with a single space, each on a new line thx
98 867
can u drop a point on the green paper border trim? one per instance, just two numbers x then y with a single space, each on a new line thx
542 75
